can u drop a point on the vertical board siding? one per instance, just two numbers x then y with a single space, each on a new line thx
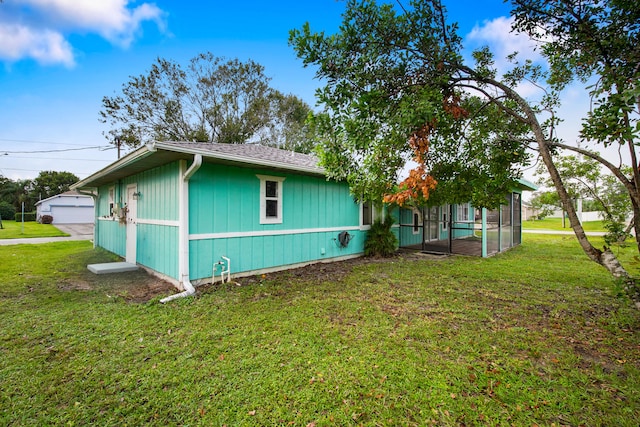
159 192
226 199
158 189
157 245
260 252
406 235
157 248
111 236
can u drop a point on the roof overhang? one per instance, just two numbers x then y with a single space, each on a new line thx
526 185
158 154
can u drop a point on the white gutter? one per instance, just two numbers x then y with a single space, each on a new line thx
183 228
94 196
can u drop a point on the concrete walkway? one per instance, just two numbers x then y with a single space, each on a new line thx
567 232
75 231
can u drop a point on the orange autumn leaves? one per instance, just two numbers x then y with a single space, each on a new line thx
419 184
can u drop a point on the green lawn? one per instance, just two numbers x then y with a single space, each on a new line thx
14 230
556 224
535 336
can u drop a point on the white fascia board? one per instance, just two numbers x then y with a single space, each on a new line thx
132 157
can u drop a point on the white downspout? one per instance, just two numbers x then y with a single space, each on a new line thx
183 229
94 196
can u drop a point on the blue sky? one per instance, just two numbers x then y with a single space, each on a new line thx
58 58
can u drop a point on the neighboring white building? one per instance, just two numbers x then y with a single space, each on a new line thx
70 207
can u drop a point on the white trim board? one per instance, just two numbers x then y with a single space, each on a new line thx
261 233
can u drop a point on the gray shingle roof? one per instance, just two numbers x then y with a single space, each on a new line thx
250 152
159 153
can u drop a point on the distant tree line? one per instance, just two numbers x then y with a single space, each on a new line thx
30 191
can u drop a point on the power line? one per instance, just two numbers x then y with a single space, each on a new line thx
30 141
101 147
78 174
58 158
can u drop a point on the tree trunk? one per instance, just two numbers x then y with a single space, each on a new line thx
605 258
635 222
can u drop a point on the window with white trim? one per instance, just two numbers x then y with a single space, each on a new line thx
444 213
112 194
416 222
270 199
367 213
463 212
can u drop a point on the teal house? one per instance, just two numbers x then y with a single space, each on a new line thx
197 212
193 213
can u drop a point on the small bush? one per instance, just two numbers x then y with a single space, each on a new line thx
46 219
380 239
7 211
28 216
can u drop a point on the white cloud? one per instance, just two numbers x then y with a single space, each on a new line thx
575 100
46 47
43 25
112 19
497 34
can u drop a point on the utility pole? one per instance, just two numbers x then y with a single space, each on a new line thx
118 144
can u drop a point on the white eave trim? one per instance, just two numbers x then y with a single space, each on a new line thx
134 156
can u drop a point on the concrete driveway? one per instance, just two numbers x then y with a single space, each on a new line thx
75 231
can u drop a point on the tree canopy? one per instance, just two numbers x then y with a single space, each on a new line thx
396 75
29 191
209 100
395 93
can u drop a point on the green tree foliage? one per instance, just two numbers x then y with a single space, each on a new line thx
545 203
17 192
8 190
7 210
396 74
209 100
389 98
601 39
589 38
51 183
27 191
584 178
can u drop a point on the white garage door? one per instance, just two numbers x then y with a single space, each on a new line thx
72 214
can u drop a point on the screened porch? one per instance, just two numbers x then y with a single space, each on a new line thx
462 229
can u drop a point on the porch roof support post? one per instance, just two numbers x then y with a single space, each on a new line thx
484 232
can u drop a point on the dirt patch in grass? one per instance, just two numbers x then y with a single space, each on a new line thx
140 286
335 271
135 287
